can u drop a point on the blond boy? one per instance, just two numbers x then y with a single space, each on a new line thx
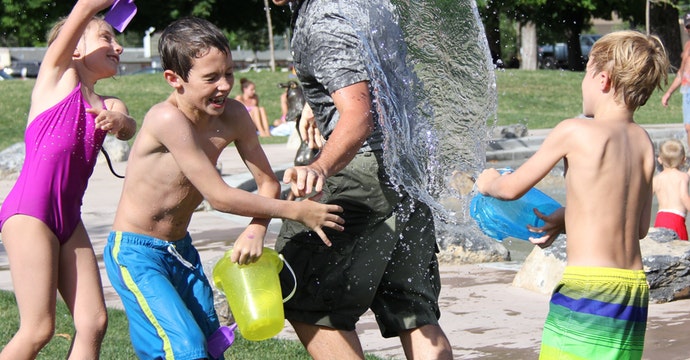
599 309
671 189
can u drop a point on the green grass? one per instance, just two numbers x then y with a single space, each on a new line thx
139 92
538 99
117 345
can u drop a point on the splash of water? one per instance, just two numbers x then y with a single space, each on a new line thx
435 89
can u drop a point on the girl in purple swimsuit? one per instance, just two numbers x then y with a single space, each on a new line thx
46 243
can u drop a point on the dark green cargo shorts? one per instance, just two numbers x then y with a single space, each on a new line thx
385 260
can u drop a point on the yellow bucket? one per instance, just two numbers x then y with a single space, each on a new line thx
254 294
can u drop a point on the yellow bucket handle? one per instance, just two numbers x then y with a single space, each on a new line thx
294 277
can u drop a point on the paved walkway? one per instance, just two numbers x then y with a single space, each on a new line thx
483 315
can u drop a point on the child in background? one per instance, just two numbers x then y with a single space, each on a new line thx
46 242
250 100
599 308
671 189
682 81
150 259
283 110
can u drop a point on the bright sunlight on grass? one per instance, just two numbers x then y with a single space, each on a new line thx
117 345
538 99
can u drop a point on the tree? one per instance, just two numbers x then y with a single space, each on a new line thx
26 22
270 35
498 18
247 18
490 12
563 19
662 13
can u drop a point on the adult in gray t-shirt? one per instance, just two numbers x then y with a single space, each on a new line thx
385 259
328 60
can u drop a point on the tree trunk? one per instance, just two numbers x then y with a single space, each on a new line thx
272 62
663 22
575 60
528 48
492 28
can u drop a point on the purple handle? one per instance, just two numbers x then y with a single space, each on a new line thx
120 14
221 340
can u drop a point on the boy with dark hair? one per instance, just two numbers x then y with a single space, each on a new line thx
149 256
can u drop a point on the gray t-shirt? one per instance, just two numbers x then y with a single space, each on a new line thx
329 56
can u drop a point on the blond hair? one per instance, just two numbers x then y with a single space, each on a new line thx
55 30
637 64
671 153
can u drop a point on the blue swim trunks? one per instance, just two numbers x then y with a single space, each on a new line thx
167 297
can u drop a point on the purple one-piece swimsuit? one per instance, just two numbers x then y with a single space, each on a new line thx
62 146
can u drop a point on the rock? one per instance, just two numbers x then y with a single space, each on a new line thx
513 131
666 262
667 265
118 150
543 268
469 246
462 182
11 161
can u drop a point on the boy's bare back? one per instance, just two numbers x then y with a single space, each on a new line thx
671 190
609 169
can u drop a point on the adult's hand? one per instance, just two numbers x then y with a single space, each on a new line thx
308 130
305 181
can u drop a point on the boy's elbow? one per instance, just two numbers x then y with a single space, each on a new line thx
219 205
218 199
270 188
508 194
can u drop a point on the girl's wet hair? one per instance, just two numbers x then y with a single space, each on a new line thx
187 39
55 30
637 64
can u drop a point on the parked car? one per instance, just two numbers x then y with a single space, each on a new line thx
4 75
23 69
147 70
555 56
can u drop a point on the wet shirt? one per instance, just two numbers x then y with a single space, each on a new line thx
329 56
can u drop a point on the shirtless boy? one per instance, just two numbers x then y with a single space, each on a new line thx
149 256
599 308
671 189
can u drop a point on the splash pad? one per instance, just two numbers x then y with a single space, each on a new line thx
435 91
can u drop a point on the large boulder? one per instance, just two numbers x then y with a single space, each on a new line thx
666 262
468 246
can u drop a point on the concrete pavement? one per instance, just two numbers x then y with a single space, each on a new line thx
483 315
